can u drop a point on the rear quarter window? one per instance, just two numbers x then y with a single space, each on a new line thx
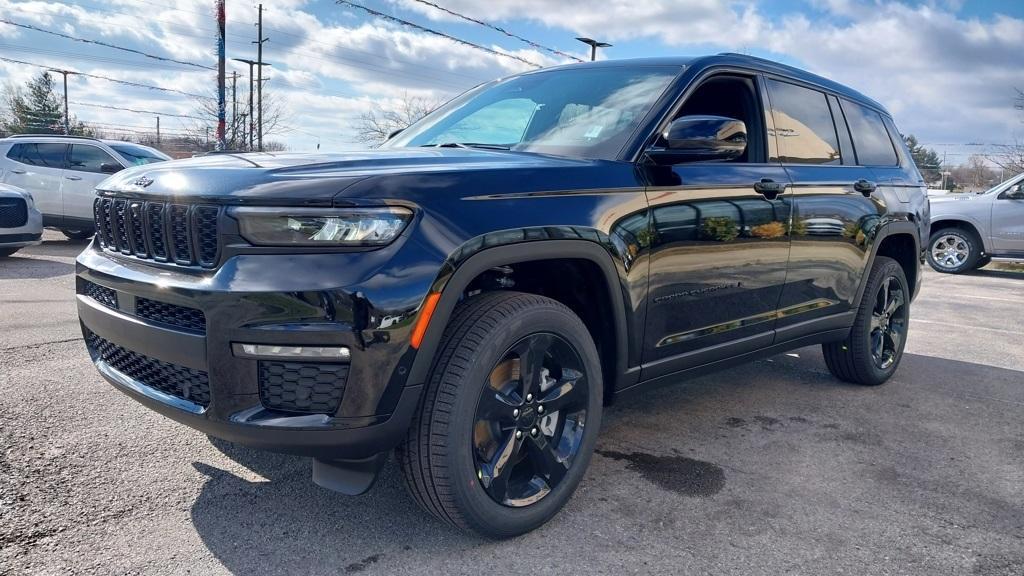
870 138
38 154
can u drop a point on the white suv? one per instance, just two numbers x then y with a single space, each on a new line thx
61 173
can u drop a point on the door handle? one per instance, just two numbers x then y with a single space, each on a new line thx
73 177
16 171
769 188
865 187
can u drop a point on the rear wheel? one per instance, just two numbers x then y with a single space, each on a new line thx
509 417
77 233
953 250
872 351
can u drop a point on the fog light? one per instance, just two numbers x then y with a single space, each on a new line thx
275 351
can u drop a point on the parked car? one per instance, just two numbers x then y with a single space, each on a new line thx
61 172
21 224
475 291
969 230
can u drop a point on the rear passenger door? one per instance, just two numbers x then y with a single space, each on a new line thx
39 168
834 209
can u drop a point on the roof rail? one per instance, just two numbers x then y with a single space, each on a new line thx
53 136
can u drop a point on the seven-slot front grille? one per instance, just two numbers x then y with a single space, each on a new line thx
171 314
185 383
13 212
183 234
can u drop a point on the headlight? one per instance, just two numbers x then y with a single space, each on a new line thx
321 227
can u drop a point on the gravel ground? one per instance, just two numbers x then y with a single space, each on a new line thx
769 468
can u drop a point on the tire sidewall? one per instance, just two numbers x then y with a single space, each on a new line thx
972 245
481 511
890 268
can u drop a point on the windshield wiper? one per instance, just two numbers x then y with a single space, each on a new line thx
468 145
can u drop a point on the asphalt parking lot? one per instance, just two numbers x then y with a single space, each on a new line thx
770 468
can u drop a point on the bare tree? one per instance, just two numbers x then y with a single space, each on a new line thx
236 130
1010 157
380 121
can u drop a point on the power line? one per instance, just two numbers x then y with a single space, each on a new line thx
341 60
100 43
169 114
499 29
397 20
108 79
90 57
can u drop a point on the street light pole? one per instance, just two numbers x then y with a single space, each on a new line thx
67 121
594 45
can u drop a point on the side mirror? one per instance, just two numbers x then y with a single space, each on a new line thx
110 168
702 138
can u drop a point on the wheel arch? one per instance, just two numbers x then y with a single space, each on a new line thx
965 224
456 277
892 241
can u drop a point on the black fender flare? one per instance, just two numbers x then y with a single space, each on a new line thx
891 229
452 288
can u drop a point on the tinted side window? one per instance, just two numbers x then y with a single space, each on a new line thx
86 158
45 155
845 144
803 125
15 152
874 148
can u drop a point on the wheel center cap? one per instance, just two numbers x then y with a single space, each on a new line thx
528 415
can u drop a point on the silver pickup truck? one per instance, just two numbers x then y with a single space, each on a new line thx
969 230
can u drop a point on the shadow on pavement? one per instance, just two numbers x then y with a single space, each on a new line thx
942 437
22 265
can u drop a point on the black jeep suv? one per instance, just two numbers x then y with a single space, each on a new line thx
472 293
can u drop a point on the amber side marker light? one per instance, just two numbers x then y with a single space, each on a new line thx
424 320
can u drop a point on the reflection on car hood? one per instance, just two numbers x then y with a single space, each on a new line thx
314 179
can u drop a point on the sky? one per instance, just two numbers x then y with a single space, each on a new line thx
946 70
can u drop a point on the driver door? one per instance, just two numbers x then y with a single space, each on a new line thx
1008 222
719 246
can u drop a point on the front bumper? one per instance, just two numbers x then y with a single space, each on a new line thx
19 240
375 407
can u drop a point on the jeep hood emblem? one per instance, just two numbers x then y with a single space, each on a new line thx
143 181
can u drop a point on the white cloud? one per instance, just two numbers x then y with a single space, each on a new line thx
944 76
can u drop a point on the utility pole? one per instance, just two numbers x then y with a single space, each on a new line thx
220 74
67 121
594 45
157 130
252 117
234 110
259 75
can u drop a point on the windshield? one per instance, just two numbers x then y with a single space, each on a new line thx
139 155
581 112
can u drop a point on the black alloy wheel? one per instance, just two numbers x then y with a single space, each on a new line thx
530 420
872 351
888 323
509 416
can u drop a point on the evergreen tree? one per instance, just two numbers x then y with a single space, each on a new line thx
927 160
36 109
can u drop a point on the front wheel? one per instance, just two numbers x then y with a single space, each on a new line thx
874 348
509 417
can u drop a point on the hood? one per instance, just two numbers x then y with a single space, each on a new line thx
305 179
8 191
